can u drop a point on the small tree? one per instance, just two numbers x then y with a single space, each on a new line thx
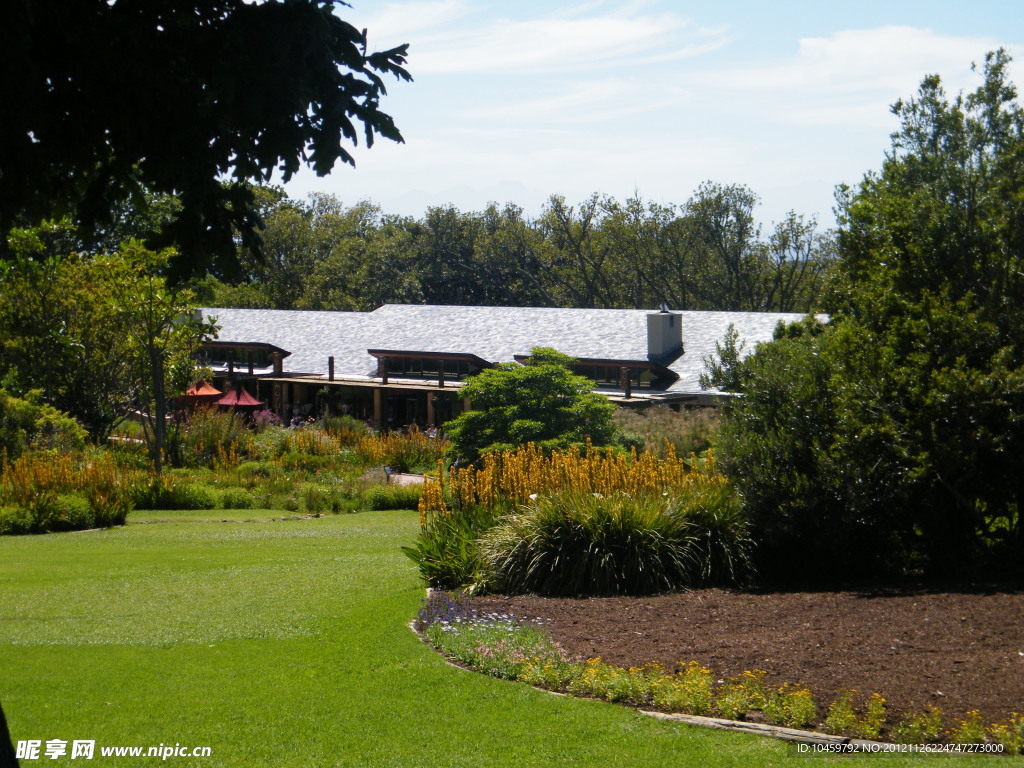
725 373
542 402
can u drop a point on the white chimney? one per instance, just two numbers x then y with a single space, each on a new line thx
664 334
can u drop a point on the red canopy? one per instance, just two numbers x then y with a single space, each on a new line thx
203 392
238 399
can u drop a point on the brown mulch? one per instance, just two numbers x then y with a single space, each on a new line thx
955 650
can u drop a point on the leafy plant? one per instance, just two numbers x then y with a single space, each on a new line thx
1010 734
919 728
392 496
446 550
790 705
969 729
589 544
235 498
741 694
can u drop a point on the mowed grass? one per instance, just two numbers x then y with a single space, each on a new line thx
284 643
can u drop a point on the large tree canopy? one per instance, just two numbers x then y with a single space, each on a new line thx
105 100
894 440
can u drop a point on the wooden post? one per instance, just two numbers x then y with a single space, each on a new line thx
430 409
378 407
278 366
231 367
249 357
382 369
330 368
440 374
626 381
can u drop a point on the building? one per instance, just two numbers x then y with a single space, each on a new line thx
404 364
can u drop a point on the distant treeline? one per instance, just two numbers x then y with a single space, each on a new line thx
707 254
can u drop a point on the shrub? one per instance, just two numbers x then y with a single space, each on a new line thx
588 544
402 452
30 423
165 492
741 694
73 513
968 730
305 462
345 429
54 491
233 498
688 691
446 549
1010 734
392 496
15 521
842 717
919 728
541 401
265 418
207 434
791 706
251 470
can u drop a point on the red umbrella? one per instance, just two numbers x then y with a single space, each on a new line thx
239 399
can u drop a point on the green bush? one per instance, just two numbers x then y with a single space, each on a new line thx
236 498
307 462
392 496
588 544
447 552
163 492
30 423
251 470
15 521
73 513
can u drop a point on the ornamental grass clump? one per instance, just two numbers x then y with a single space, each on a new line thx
579 543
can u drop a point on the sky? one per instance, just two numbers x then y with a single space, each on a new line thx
518 101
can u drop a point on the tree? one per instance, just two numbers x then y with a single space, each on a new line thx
727 373
162 335
82 329
542 402
920 376
105 101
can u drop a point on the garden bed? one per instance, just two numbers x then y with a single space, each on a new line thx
958 651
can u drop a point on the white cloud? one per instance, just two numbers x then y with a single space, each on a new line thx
578 39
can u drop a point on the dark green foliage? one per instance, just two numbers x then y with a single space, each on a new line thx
31 423
106 101
541 402
586 544
724 371
392 496
892 442
236 498
707 253
447 552
162 492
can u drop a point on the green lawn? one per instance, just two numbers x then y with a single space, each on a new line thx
284 643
